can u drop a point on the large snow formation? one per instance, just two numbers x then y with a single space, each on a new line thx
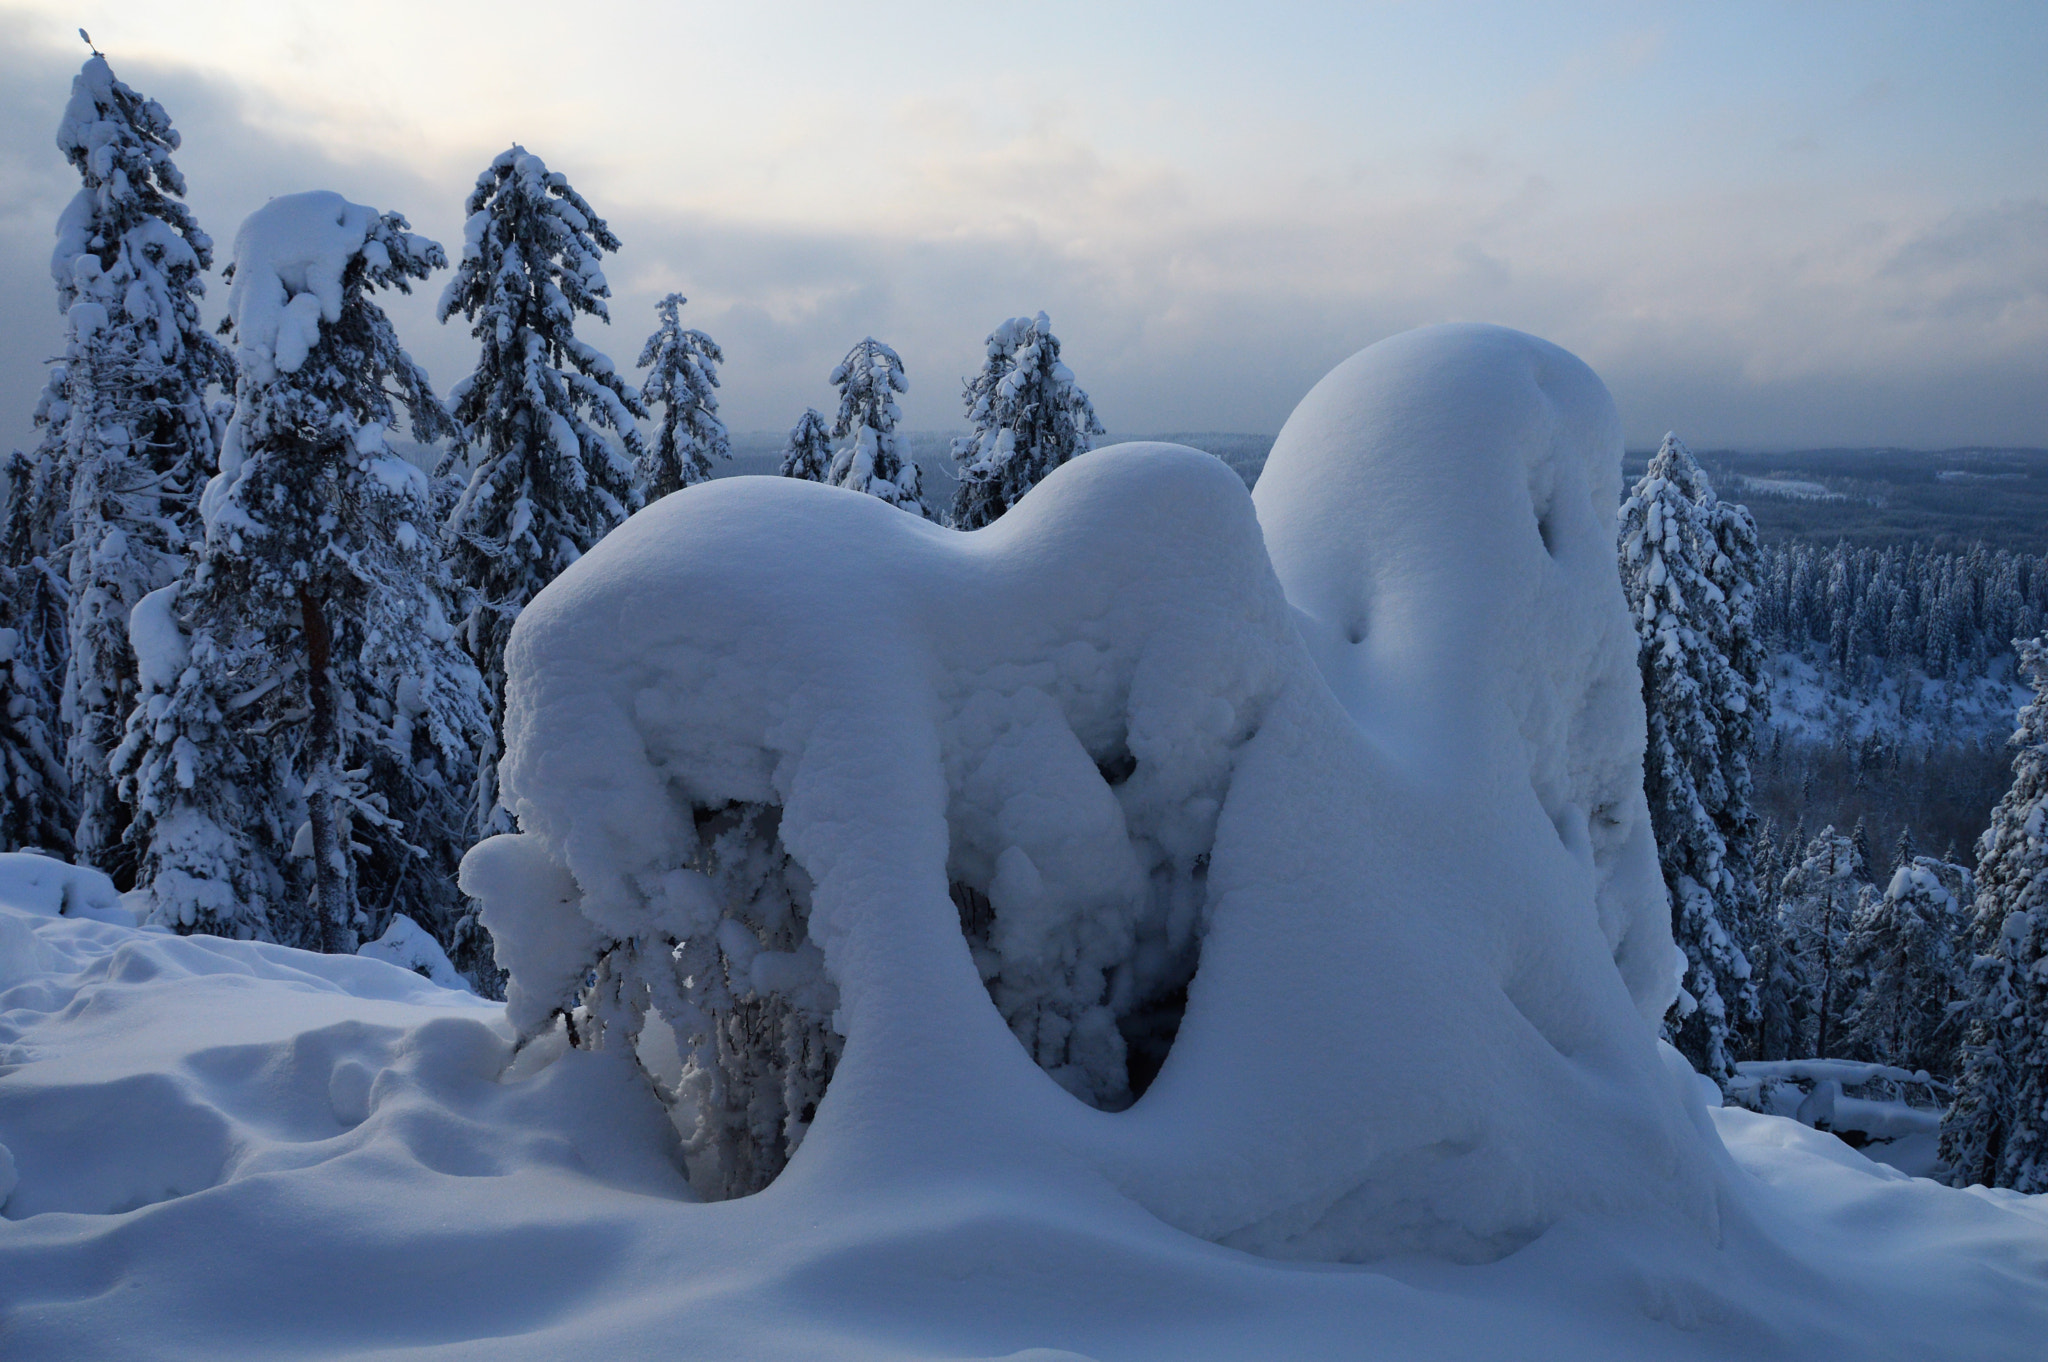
1407 1032
953 817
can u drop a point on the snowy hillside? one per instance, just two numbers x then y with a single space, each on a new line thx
1167 923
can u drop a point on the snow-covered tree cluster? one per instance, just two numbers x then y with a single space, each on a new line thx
271 707
276 709
1870 610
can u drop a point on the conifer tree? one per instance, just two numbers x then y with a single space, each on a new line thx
310 630
808 453
545 483
35 808
1702 711
107 499
1780 986
683 379
1819 900
1901 952
1028 417
1996 1133
872 460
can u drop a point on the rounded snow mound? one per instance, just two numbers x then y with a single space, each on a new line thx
1364 844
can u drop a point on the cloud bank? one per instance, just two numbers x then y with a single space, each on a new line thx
1202 271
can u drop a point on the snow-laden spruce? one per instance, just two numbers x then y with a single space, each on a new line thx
1902 955
872 459
35 804
682 379
546 481
128 436
911 855
1819 900
1997 1131
1688 563
1028 417
301 680
807 454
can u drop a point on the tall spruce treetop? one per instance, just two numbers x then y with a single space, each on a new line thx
1702 713
128 434
270 666
545 485
808 453
684 381
872 459
1028 417
1996 1133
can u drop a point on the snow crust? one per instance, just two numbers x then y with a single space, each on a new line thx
1358 753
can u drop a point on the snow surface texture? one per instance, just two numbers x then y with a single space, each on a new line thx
1407 1046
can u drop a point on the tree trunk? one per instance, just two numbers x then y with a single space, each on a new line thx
331 880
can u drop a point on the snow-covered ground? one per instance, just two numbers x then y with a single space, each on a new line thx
1810 701
226 1150
1368 748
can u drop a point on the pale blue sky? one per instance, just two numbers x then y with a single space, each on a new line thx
1765 224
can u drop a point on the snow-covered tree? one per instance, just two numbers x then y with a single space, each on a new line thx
808 453
309 635
1687 564
1774 966
1028 417
35 805
109 493
872 459
1818 901
545 482
1902 953
683 379
1996 1133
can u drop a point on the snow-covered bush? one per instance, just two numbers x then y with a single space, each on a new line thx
989 812
545 482
1028 417
310 635
872 459
683 380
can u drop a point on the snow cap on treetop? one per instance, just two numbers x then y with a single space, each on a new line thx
290 256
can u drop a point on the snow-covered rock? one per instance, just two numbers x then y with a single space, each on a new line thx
34 883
